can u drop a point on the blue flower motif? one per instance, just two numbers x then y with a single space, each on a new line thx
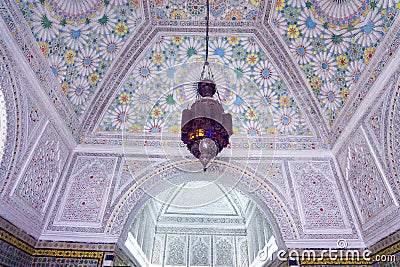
217 9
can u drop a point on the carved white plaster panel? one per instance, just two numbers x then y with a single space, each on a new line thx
200 251
318 197
86 195
224 251
176 250
158 249
43 170
242 252
364 179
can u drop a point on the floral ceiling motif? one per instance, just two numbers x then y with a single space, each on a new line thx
229 10
333 42
163 81
81 39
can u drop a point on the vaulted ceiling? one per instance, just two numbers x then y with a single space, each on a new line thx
284 68
101 85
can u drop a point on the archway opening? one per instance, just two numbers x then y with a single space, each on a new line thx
200 223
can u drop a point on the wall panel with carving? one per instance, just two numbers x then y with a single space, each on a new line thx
368 185
318 197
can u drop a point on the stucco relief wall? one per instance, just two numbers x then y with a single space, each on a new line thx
35 151
316 210
318 197
369 163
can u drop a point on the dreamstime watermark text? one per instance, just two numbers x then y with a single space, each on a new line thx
340 253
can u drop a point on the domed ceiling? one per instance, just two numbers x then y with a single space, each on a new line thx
88 44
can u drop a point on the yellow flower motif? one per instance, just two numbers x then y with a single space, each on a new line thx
124 98
64 88
135 129
233 40
134 3
272 130
156 113
345 94
158 58
178 15
44 47
174 129
342 62
252 59
94 78
251 114
285 101
254 2
316 83
177 39
279 4
293 31
368 54
121 28
69 57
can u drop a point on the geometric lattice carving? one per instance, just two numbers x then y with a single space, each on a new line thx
88 189
157 254
176 250
317 195
42 171
364 180
224 251
243 254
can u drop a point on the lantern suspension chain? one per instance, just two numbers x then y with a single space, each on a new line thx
209 74
207 29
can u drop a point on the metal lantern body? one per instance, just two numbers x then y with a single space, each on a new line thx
205 127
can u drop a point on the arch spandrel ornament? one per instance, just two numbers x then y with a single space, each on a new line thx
393 137
284 223
14 112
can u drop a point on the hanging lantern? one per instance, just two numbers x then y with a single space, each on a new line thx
205 127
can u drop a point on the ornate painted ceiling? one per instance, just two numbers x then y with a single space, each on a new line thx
331 42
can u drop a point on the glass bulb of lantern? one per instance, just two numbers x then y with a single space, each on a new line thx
208 150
